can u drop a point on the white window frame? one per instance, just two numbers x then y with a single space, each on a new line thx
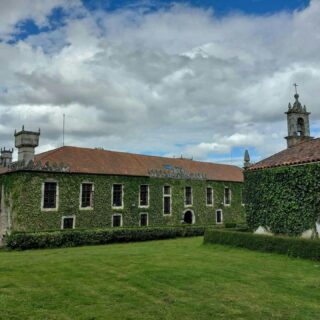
68 217
185 197
56 208
224 196
221 216
80 196
147 206
141 213
212 196
122 200
121 220
167 195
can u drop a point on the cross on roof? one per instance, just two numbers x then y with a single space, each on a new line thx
295 86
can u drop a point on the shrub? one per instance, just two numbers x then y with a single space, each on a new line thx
72 238
230 225
294 247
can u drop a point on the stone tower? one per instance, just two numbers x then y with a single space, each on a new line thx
26 141
298 123
5 157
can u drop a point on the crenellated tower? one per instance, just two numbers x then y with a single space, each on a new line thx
26 142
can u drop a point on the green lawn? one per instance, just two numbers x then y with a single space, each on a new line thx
169 279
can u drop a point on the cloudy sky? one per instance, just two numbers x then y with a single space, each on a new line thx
205 79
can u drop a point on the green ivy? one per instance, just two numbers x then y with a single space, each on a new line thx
285 199
24 190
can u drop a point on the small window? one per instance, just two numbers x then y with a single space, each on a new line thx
227 196
68 222
219 216
50 195
117 195
116 220
209 196
87 195
143 219
167 200
167 190
188 196
144 195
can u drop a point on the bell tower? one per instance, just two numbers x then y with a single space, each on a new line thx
298 122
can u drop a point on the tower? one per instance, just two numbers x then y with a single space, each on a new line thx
298 123
26 141
5 157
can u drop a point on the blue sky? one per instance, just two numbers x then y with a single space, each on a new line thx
220 8
205 79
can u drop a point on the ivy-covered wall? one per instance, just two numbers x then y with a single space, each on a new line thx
285 199
24 190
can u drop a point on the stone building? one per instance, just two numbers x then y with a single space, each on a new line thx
282 192
71 187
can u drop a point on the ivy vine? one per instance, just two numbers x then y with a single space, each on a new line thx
24 189
285 199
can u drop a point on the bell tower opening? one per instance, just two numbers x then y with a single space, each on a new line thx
300 127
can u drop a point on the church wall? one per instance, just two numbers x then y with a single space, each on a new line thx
284 200
24 191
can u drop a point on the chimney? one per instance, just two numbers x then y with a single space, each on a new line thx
6 157
26 141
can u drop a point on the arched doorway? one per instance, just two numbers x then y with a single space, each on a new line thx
188 217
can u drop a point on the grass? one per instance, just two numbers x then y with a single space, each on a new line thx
168 279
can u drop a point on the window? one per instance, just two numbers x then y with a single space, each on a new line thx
209 196
166 199
117 220
86 195
144 196
50 195
68 222
117 195
219 218
227 196
143 219
188 196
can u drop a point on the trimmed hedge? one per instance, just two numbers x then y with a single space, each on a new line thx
293 247
73 238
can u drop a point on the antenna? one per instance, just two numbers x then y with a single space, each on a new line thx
63 125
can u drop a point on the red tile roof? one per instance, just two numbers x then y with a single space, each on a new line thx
85 160
304 152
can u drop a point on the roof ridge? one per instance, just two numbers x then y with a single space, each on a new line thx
53 151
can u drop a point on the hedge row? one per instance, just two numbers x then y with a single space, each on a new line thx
294 247
73 238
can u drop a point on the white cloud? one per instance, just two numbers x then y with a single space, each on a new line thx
178 80
13 13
